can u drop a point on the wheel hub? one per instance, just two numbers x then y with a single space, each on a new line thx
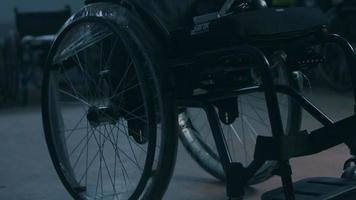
102 115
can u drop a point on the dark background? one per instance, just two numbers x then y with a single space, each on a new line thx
7 9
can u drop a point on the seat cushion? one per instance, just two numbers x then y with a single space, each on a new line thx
271 23
172 14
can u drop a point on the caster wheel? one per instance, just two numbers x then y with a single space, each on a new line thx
349 169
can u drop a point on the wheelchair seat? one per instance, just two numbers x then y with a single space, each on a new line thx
265 24
271 23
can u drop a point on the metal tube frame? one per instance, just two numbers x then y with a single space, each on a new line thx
270 91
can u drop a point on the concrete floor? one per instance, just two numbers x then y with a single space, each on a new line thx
26 172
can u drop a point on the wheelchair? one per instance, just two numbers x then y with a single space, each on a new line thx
125 79
27 48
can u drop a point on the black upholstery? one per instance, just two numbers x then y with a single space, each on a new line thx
172 13
266 23
272 23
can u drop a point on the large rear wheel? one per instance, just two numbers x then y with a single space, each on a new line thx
241 135
109 127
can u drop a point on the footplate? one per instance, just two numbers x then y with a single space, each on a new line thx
320 188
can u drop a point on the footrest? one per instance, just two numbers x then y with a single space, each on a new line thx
320 188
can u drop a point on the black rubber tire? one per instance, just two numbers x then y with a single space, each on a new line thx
208 159
143 47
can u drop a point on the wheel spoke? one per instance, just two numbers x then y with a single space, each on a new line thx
241 134
101 104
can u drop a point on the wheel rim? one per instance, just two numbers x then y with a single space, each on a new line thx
103 131
240 135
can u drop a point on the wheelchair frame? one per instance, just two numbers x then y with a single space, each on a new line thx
324 138
279 144
236 175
